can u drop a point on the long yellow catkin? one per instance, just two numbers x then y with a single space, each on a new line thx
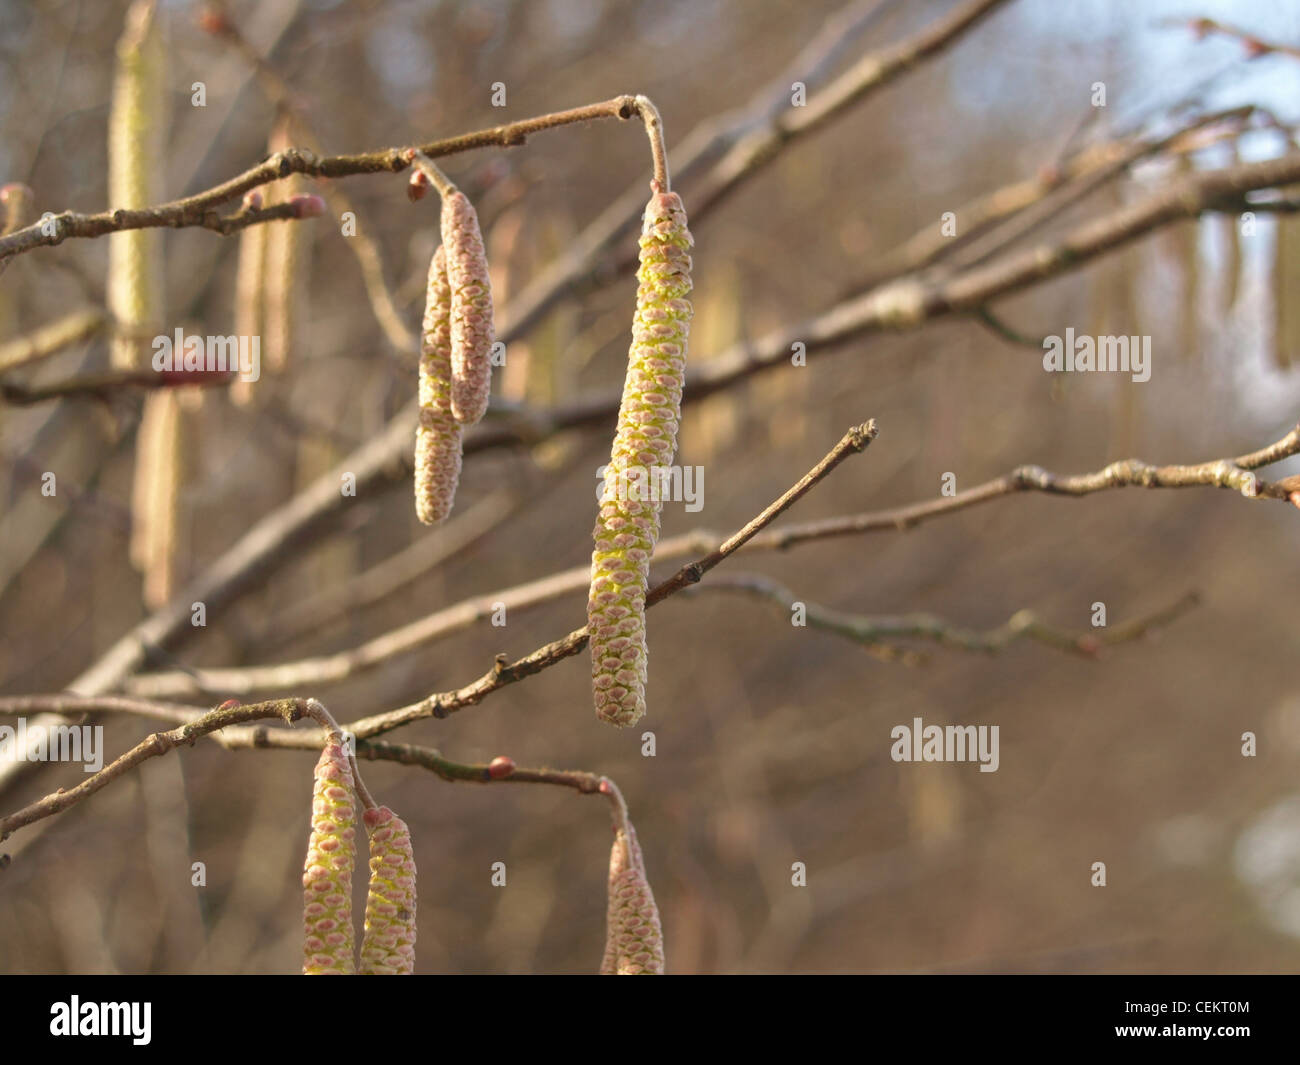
627 528
388 943
472 330
438 440
329 943
135 170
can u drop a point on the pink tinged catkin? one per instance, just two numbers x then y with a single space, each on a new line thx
438 437
388 945
472 330
329 945
634 939
627 528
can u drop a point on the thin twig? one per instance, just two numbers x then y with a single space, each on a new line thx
1024 624
290 710
200 209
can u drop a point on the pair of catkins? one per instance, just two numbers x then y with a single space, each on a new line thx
454 381
388 942
455 356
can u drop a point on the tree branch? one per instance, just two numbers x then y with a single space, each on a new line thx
1234 474
871 630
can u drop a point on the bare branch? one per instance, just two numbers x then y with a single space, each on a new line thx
1024 624
290 710
200 209
52 338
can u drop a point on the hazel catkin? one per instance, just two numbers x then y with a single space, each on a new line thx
329 942
634 940
388 943
135 167
472 330
627 528
438 437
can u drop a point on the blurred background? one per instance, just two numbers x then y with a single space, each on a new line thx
772 741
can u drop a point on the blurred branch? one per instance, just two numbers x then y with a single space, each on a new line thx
868 75
1223 473
51 338
102 385
1255 46
216 18
756 136
1024 624
1035 215
393 575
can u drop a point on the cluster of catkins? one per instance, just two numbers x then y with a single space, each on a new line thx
455 370
388 943
455 356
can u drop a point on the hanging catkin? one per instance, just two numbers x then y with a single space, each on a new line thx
287 247
472 332
155 496
438 438
135 168
634 939
628 526
329 943
250 297
388 944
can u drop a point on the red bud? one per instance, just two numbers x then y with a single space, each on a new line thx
307 206
501 767
418 186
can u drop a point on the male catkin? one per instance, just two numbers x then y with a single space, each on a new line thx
155 495
388 944
250 295
329 944
646 439
286 265
438 438
634 939
472 331
135 167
